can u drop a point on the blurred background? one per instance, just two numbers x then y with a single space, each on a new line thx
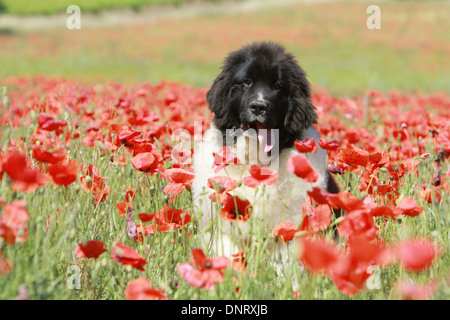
135 41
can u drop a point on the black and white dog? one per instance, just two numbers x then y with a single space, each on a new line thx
261 104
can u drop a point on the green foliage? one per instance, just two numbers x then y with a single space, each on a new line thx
32 7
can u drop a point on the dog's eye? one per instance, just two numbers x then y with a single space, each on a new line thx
278 86
247 82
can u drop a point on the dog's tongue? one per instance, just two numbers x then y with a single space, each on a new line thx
265 140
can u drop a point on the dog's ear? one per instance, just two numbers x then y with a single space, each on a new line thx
301 113
217 96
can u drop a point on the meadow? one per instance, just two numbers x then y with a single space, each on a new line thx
95 203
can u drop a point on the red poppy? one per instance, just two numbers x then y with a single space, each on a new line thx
348 279
358 223
142 289
317 255
130 195
416 254
5 265
319 195
235 208
46 156
130 137
408 206
224 158
239 263
127 256
167 219
299 165
179 180
408 290
205 272
97 185
430 195
13 222
260 175
352 155
329 145
222 184
143 147
123 207
48 123
285 231
26 179
317 219
147 162
306 146
64 172
89 249
345 200
91 170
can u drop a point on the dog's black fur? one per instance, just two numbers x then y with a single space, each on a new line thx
264 68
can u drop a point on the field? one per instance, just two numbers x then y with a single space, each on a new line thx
96 205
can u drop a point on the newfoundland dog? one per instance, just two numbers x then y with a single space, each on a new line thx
261 104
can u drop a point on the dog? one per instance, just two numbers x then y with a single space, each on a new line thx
261 102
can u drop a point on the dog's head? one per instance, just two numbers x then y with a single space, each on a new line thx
261 86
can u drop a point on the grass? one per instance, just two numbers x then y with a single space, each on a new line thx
408 53
48 7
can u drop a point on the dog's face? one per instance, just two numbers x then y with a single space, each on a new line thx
262 87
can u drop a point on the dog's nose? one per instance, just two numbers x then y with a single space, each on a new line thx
258 107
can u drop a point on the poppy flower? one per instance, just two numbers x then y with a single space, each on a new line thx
222 184
147 162
429 194
299 165
285 231
48 123
408 290
416 254
64 172
260 175
223 158
142 289
352 155
358 223
179 180
239 263
204 272
167 219
91 170
408 206
5 265
306 146
26 179
235 209
347 279
345 200
127 256
317 219
97 185
317 255
319 195
13 222
89 249
123 207
143 147
329 145
130 137
46 156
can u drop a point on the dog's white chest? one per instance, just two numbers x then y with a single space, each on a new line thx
272 204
